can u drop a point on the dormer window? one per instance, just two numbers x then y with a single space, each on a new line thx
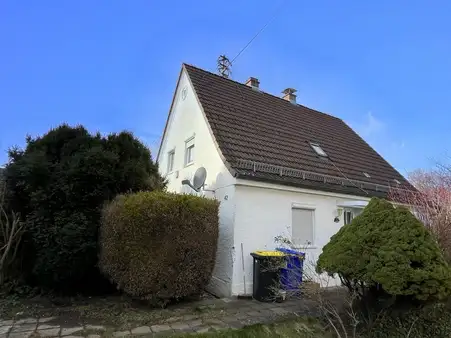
318 150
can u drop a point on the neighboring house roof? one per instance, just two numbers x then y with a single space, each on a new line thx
264 137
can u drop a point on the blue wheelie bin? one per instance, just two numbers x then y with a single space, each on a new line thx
291 275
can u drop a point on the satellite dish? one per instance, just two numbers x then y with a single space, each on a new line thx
198 180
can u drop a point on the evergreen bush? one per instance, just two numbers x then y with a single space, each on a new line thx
59 184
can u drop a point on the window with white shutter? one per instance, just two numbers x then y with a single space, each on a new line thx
302 226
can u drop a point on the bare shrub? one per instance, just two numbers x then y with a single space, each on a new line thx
431 203
10 236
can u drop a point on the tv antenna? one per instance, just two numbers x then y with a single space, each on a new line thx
224 66
198 180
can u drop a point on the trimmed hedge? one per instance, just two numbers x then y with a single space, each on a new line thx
387 248
159 246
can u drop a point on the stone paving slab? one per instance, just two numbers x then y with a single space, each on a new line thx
95 327
27 321
45 319
5 329
20 335
6 322
69 331
54 332
141 330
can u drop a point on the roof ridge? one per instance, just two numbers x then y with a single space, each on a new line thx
263 92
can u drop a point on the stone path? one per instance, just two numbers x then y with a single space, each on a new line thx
229 314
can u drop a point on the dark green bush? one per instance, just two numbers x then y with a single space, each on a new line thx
59 184
388 249
159 246
432 321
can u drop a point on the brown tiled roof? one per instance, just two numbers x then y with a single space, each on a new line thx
264 137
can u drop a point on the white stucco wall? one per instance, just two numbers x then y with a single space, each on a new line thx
185 121
263 211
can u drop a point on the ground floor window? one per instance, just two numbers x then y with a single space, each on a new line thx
302 226
350 213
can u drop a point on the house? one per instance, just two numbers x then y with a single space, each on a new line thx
278 169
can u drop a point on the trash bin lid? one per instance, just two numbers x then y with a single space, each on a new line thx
291 252
261 253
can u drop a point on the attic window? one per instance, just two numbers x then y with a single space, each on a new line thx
318 149
366 175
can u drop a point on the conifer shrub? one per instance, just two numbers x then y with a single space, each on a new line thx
58 184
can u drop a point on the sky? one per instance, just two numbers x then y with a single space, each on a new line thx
384 67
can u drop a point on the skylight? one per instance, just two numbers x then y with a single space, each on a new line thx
366 175
318 149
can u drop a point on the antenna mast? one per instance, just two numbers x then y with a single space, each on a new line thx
224 66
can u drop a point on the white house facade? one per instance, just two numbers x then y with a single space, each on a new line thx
188 144
259 200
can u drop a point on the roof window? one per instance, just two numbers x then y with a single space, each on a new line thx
396 181
318 150
367 175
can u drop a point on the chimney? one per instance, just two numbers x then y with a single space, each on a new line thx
289 95
252 82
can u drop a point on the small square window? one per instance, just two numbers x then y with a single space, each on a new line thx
189 151
318 149
171 156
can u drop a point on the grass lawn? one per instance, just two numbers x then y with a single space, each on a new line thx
300 328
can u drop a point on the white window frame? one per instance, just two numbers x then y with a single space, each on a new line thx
307 207
170 165
189 144
349 212
353 212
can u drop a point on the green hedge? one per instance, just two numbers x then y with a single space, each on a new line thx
159 246
388 249
59 184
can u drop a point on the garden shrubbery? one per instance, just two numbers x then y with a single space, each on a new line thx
159 246
58 185
387 250
430 321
